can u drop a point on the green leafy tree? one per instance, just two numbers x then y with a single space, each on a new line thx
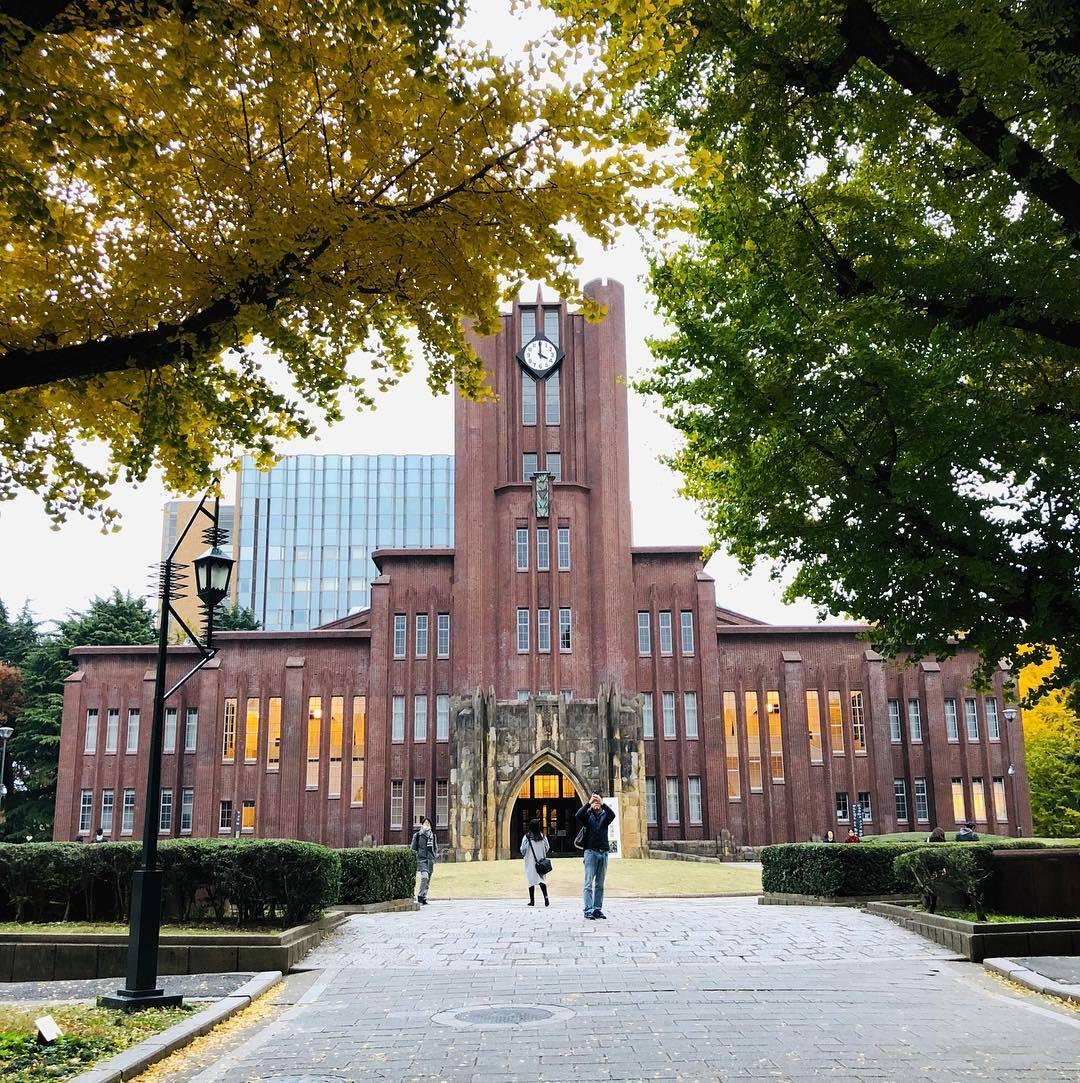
17 636
875 362
235 618
34 749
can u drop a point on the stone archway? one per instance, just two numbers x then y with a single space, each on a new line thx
508 797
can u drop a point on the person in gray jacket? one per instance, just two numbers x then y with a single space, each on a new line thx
426 847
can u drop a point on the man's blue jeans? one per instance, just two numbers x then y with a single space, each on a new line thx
595 871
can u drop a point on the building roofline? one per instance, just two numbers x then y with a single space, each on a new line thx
722 613
792 629
185 650
667 551
379 555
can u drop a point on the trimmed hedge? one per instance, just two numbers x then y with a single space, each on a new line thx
251 880
845 869
372 875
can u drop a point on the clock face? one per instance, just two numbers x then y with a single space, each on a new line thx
540 355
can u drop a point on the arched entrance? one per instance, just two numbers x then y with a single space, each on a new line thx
547 790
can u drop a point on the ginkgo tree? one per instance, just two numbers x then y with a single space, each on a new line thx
188 187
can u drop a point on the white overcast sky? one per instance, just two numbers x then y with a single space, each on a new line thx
62 570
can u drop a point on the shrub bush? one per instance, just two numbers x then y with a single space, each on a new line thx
39 880
292 880
839 869
377 874
961 867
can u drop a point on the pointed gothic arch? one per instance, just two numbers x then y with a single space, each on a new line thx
504 810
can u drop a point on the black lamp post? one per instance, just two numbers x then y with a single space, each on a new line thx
1010 717
212 573
6 733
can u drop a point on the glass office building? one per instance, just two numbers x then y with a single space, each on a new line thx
307 529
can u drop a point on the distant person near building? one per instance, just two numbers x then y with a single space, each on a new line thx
594 819
534 849
937 835
426 847
851 836
967 834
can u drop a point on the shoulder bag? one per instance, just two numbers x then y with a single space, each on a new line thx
542 864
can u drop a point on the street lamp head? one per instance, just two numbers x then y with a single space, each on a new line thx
213 570
6 733
1012 769
1010 714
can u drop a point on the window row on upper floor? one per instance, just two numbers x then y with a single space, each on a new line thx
543 630
421 629
664 630
530 465
971 729
543 548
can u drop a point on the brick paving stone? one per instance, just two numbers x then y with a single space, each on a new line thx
690 990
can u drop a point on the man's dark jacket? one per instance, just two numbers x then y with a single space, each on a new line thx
596 825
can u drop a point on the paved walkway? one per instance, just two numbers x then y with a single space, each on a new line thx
698 990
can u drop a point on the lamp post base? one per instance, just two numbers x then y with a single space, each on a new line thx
132 1000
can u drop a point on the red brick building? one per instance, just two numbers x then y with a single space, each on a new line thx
542 657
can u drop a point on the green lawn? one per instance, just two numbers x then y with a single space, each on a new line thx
90 1034
626 878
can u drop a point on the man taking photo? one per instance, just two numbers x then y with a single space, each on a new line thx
594 819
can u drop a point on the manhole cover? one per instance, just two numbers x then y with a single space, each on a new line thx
502 1015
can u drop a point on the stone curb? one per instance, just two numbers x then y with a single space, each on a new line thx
139 1057
1009 968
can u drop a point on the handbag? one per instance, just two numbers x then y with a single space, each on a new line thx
543 864
579 840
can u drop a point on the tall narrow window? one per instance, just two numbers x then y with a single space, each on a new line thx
867 808
399 634
521 547
337 738
127 819
971 716
843 809
133 719
419 719
731 748
314 742
665 631
273 733
421 635
112 729
686 628
650 800
106 824
565 631
359 736
90 737
443 643
247 816
228 732
224 816
168 736
187 810
914 718
776 737
644 633
397 719
442 717
397 803
922 801
528 465
165 812
836 724
551 324
543 549
858 723
522 630
419 800
648 723
543 631
668 700
251 732
1001 812
693 797
952 722
553 462
528 324
671 796
552 406
900 793
86 809
896 732
978 800
753 742
959 809
442 802
813 725
690 717
528 399
564 549
993 721
191 729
